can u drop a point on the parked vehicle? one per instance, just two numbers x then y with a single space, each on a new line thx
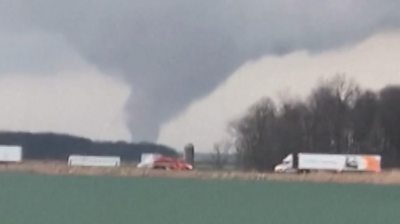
83 160
10 153
329 162
157 161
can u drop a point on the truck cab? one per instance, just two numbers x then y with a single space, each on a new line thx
286 165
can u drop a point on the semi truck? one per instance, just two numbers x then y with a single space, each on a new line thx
306 162
10 153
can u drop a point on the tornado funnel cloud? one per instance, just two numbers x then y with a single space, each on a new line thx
171 53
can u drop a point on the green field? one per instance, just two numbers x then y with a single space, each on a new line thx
37 199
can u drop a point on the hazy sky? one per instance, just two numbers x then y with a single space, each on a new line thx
89 104
159 57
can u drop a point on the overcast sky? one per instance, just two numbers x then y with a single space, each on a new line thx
151 61
372 64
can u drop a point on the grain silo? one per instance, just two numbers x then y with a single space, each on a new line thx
189 154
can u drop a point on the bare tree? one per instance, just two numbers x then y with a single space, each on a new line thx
390 119
222 154
256 142
367 130
331 105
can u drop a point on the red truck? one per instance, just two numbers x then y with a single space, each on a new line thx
156 161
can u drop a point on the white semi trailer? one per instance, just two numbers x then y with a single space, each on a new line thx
329 162
10 153
104 161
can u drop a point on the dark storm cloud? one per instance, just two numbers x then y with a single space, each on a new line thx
172 52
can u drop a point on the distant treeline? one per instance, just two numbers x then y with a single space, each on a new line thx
338 117
50 146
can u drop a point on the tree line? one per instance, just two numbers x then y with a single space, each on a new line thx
337 117
51 146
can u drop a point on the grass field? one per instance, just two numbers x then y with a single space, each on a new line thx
41 199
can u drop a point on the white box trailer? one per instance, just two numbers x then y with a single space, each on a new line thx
330 162
10 153
102 161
